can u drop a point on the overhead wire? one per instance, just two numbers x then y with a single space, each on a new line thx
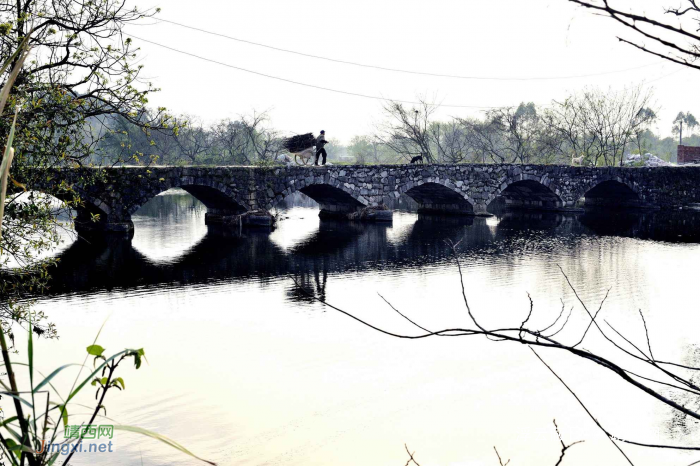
358 94
399 70
299 83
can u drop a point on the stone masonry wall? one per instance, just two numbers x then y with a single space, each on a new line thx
121 191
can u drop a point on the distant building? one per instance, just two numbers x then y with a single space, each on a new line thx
688 154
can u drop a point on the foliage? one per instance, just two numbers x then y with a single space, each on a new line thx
682 119
27 435
188 141
367 149
516 135
11 245
81 71
452 142
407 130
601 126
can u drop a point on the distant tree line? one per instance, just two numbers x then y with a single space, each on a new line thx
186 141
595 126
599 126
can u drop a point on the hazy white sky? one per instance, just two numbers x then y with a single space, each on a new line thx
504 39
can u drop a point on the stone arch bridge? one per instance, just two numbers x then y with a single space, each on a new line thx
340 190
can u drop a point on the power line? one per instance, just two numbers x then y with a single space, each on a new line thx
398 70
313 86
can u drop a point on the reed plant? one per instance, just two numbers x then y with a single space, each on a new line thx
39 408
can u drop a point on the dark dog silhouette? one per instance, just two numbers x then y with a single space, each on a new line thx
417 158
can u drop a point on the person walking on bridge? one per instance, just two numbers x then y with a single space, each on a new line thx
320 142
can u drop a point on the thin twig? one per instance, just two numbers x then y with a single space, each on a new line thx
411 459
561 313
402 314
564 446
500 461
529 314
646 331
607 434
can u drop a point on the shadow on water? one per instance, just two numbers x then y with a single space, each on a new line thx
667 226
223 254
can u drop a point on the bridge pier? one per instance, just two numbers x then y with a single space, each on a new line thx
254 218
335 211
86 226
215 216
443 209
354 213
481 210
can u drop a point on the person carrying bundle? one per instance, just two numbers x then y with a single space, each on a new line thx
320 142
302 145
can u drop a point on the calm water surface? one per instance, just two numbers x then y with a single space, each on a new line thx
244 368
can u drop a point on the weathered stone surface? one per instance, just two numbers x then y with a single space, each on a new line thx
465 189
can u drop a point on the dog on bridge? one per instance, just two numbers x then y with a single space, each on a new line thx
306 156
417 159
577 161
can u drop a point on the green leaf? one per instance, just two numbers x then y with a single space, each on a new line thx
30 354
5 164
7 421
19 50
120 381
64 415
161 438
64 411
13 446
51 376
95 350
94 373
14 433
137 354
18 398
7 444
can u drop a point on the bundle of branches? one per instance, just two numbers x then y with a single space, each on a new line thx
299 142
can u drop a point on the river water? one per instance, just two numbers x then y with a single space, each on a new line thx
246 368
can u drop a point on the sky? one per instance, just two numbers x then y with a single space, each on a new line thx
507 39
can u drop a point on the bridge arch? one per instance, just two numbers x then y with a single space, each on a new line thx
528 193
86 214
334 200
217 197
611 192
438 196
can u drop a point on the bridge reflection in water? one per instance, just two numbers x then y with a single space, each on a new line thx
334 247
